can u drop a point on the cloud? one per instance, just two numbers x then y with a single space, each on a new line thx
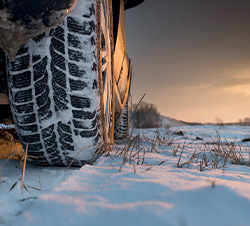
201 86
192 87
239 89
243 74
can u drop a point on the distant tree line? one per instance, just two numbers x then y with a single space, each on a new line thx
245 121
146 115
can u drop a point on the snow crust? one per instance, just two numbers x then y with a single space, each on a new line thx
156 192
3 126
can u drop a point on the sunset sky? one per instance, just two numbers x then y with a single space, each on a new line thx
192 57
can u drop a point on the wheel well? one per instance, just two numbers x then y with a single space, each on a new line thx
116 17
3 76
132 3
5 112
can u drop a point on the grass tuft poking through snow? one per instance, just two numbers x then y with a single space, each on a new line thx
205 153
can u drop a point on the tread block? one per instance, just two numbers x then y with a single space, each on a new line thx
94 67
77 85
40 163
58 45
43 111
21 63
58 32
23 96
121 128
69 160
95 84
59 104
22 50
43 98
35 58
76 56
88 133
57 161
58 59
80 102
26 119
35 147
59 92
74 70
46 116
74 41
41 85
65 136
35 153
93 41
66 145
30 128
47 132
50 141
58 76
83 114
34 138
21 80
54 155
24 108
82 124
79 124
42 159
76 132
85 28
40 68
64 127
53 149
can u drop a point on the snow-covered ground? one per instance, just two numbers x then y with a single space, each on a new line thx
166 179
167 121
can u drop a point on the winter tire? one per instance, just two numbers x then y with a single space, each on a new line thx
122 127
61 88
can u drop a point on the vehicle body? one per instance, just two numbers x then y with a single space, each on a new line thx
69 84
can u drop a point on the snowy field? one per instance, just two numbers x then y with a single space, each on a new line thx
185 176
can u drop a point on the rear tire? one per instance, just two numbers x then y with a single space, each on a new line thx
122 127
57 88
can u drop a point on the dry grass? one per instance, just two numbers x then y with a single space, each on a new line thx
138 145
9 145
23 157
24 168
13 149
205 154
22 164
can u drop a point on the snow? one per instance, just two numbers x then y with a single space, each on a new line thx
167 121
149 189
3 126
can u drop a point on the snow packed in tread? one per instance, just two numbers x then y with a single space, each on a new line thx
54 90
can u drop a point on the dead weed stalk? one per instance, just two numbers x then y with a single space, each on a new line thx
215 154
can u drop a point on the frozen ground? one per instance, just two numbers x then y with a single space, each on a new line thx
166 179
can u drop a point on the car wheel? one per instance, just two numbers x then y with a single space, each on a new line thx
61 88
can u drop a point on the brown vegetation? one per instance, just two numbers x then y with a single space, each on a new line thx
146 115
9 145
